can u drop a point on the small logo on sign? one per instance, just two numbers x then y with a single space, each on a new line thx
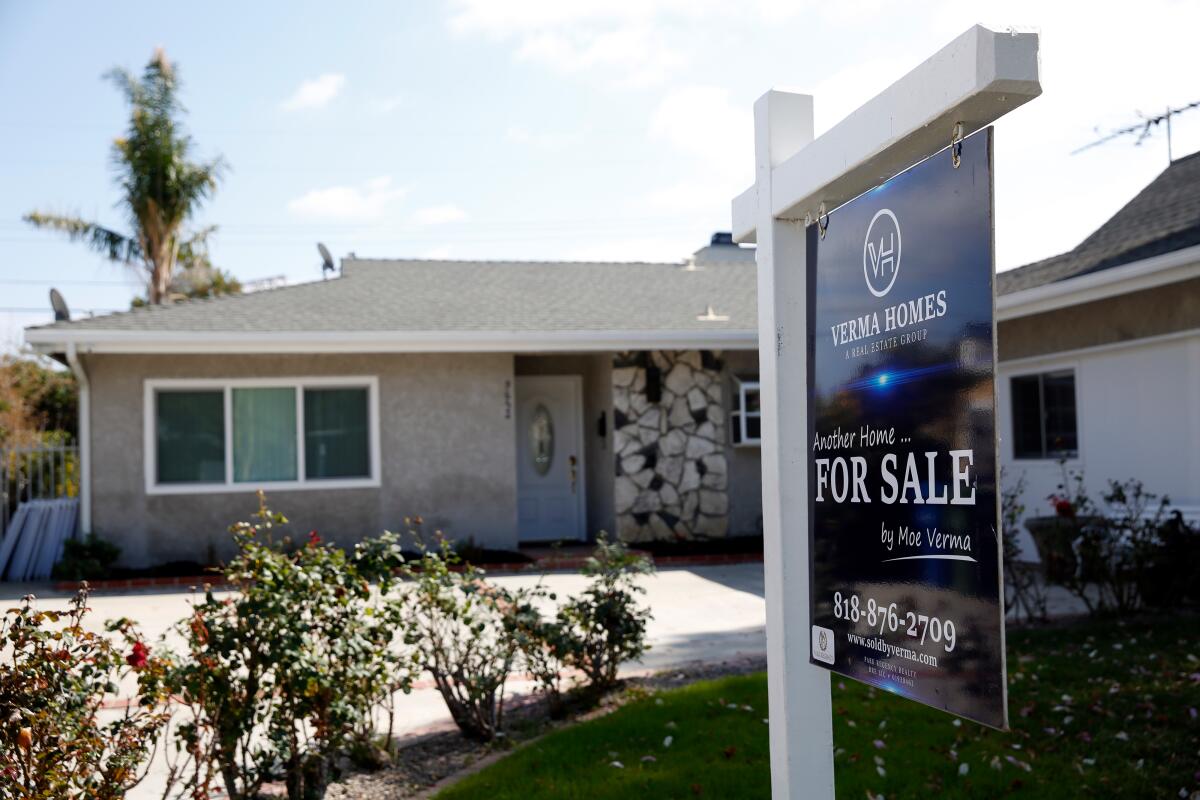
822 644
881 252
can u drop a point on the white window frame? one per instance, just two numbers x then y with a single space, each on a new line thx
1046 368
227 385
741 387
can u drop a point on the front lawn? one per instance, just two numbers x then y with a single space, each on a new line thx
1098 709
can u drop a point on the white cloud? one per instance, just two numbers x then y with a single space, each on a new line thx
627 43
437 215
367 202
316 93
386 105
703 123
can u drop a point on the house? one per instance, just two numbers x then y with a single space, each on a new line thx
521 401
1099 353
503 402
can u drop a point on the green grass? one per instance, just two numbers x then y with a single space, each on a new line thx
1102 709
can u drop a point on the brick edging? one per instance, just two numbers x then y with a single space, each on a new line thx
110 584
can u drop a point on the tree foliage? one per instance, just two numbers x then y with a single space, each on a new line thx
35 400
161 189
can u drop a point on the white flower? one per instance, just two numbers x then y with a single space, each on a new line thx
882 772
667 741
1123 736
964 768
617 764
648 759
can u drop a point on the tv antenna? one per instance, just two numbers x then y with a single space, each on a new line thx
61 312
326 261
1144 129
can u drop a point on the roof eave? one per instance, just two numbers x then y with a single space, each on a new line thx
1148 273
177 342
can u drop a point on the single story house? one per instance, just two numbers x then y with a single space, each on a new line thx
502 402
513 402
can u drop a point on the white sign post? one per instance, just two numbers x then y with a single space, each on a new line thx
973 81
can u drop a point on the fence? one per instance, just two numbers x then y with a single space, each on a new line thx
42 472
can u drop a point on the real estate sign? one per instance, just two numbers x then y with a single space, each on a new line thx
904 533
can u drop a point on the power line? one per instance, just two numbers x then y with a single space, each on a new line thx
1144 129
50 312
68 282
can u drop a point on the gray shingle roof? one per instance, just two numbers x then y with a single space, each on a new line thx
1163 217
518 296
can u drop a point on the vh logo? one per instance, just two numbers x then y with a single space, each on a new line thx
881 252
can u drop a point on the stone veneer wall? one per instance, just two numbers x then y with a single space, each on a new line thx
671 465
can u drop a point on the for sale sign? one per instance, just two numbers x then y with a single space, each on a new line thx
905 539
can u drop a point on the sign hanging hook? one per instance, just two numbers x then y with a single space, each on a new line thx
822 220
956 140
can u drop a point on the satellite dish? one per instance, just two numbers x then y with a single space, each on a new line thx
61 312
326 260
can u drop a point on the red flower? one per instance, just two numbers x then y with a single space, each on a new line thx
1063 507
138 655
314 538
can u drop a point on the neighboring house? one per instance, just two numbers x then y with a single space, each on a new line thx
1099 353
520 401
504 402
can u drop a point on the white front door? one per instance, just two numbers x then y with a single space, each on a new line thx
550 495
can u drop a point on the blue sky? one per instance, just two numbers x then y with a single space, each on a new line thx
531 129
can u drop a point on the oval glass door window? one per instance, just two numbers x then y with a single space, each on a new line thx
541 439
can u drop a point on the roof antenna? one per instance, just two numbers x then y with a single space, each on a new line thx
61 312
1144 129
326 261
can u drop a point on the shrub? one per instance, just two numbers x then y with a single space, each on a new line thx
541 645
457 628
90 558
53 682
1025 590
1120 555
604 626
282 677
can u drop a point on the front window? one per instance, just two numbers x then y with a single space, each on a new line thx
215 435
1043 411
745 419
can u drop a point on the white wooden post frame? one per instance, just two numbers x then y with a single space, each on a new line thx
973 81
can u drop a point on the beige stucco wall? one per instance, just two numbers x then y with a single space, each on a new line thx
596 370
447 450
745 463
1138 315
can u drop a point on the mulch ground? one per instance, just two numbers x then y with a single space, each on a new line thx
426 762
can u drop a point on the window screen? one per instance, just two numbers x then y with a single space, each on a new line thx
190 436
1043 411
336 436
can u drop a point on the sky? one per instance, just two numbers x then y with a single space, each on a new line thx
532 129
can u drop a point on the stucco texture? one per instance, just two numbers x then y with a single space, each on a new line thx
447 453
745 462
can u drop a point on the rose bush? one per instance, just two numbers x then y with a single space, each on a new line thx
57 741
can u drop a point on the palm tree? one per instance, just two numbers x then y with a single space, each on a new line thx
161 190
